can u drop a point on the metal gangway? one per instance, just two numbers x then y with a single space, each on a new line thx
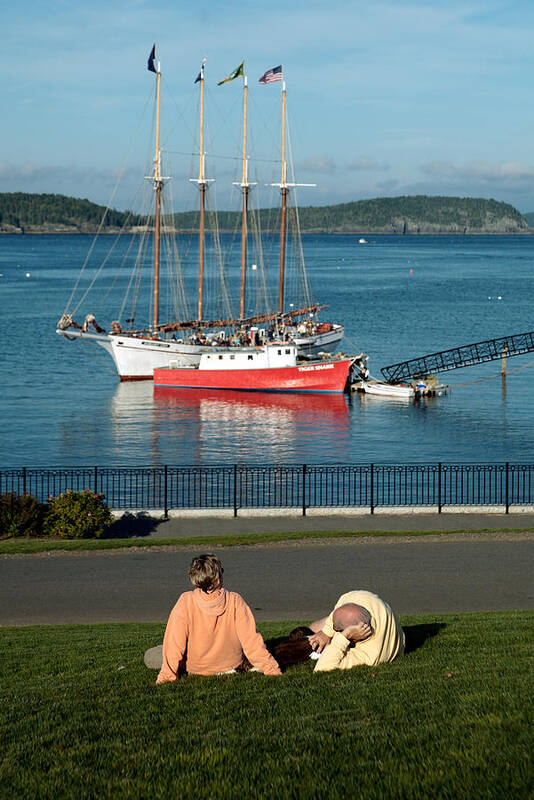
465 356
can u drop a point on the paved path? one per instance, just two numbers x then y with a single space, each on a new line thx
471 572
213 526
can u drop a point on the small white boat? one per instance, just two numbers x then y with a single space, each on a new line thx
382 389
362 241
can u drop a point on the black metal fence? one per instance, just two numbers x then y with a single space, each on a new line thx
301 486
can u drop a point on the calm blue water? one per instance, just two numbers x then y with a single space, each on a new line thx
62 403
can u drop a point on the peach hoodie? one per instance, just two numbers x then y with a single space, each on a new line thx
212 631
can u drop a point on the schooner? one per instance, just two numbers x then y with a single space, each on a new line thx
181 342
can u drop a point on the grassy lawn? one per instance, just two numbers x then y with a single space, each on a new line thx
81 717
27 546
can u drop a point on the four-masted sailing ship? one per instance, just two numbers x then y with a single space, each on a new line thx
182 342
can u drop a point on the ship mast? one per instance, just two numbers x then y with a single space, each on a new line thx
158 183
158 186
245 185
202 185
245 189
284 190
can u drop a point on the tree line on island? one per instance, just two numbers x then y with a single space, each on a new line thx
22 212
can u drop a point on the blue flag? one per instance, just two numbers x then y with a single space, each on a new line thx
151 59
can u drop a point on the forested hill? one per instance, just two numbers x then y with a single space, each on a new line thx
416 214
53 213
410 214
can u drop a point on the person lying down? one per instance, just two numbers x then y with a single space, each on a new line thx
210 630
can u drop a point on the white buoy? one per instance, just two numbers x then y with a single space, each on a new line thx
27 274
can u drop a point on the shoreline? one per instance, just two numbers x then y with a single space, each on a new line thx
190 232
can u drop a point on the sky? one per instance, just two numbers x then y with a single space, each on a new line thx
384 98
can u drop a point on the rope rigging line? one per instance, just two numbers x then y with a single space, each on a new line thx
126 255
102 221
490 378
237 158
295 207
261 288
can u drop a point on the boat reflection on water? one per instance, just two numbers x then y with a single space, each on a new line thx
383 401
203 426
225 401
257 425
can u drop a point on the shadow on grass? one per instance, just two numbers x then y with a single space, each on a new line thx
417 635
131 526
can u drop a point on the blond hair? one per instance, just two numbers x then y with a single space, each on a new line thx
206 572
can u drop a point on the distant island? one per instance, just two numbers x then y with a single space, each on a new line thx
21 212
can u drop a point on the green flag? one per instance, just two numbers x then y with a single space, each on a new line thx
239 72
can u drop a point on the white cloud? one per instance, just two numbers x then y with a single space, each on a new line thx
387 186
97 185
322 164
367 165
325 165
505 173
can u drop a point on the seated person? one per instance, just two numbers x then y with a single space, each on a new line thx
211 628
362 629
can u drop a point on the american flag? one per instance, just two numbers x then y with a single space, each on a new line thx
272 75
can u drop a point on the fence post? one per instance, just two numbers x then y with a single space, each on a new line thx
507 487
165 493
304 490
372 488
23 480
235 490
96 480
439 488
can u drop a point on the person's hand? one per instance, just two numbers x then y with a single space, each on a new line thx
358 632
319 641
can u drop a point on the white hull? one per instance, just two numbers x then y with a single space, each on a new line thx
386 389
136 358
